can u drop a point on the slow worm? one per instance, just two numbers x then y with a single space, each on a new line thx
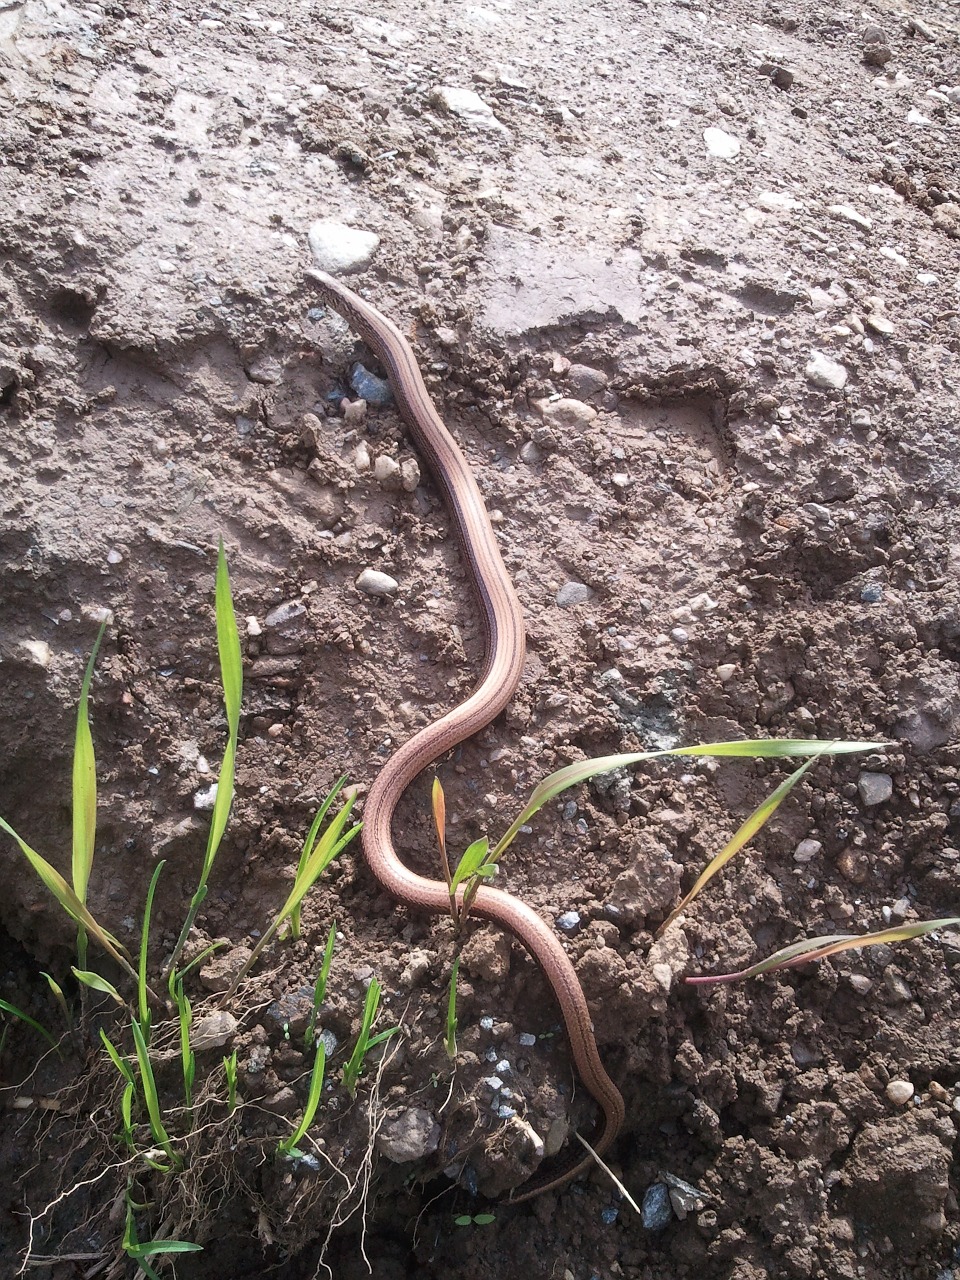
505 642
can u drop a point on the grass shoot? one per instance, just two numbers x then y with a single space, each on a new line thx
230 1071
450 1039
320 987
96 983
140 1252
152 1099
231 675
14 1012
366 1042
84 797
288 1147
325 848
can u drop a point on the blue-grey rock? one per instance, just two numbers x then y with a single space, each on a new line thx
657 1211
371 388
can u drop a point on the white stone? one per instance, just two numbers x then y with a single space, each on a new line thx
721 144
213 1030
899 1092
571 594
374 583
917 117
826 373
337 248
467 106
37 651
726 671
777 201
205 798
849 214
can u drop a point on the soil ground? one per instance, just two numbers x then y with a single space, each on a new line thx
688 294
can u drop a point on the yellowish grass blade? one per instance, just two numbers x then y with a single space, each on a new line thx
69 901
817 948
764 748
85 783
746 833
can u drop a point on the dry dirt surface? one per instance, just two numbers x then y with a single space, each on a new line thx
684 280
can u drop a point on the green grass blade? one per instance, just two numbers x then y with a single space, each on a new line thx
150 1248
150 1094
450 1040
69 901
84 794
320 987
96 983
352 1070
58 995
745 834
230 1071
763 748
471 862
817 948
120 1063
14 1012
310 842
313 1101
143 1002
330 844
231 676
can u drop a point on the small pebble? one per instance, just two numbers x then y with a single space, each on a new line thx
486 1023
899 1092
726 671
566 414
679 635
337 248
374 583
526 1038
880 324
721 144
807 850
254 628
572 594
371 388
568 920
609 1215
284 614
826 373
386 471
874 788
467 106
847 213
872 593
657 1211
205 798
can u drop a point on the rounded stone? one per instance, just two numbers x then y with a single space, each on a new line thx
374 583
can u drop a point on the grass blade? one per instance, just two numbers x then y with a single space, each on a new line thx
320 987
143 990
762 748
745 834
351 1072
69 901
309 844
84 796
289 1145
325 850
450 1039
96 983
817 948
231 675
151 1096
14 1012
120 1063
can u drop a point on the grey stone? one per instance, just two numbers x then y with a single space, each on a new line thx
657 1211
572 594
408 1135
874 788
468 107
213 1030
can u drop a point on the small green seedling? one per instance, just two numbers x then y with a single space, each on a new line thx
58 996
143 990
818 948
288 1147
14 1012
450 1039
188 1059
96 983
322 853
474 1219
308 847
231 674
84 797
152 1099
140 1252
366 1042
320 987
230 1071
